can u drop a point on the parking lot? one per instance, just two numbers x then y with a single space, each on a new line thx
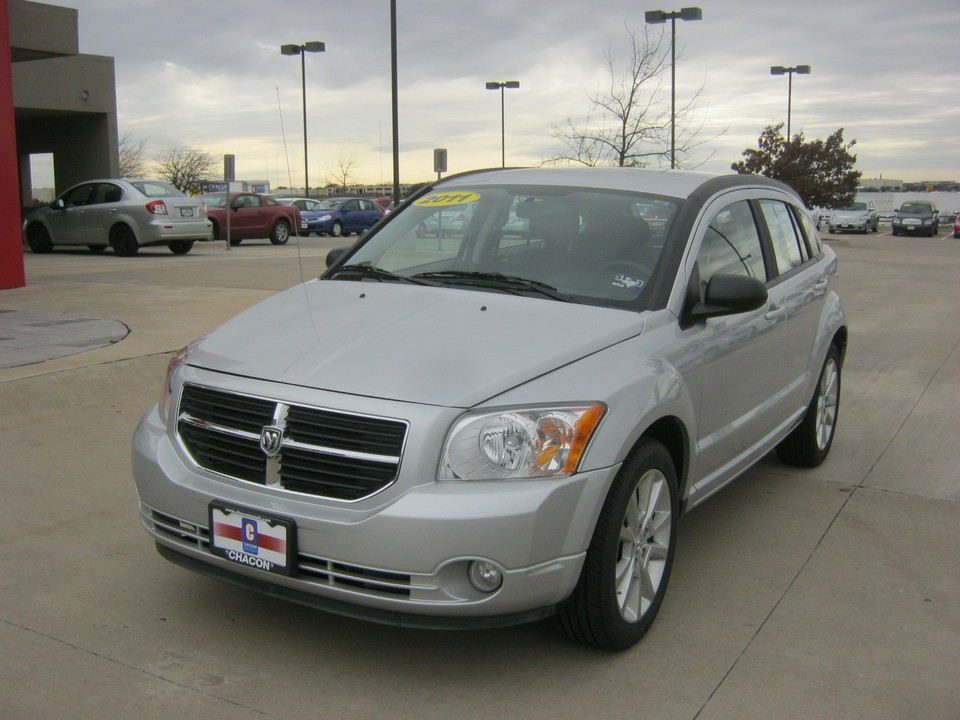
825 593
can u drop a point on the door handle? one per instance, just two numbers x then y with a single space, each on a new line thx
775 314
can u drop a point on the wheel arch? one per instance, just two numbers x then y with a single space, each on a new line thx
671 432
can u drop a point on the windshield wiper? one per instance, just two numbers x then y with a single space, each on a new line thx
509 283
365 270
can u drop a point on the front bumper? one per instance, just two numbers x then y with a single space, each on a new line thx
400 557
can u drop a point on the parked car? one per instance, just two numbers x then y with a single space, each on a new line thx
492 430
916 217
384 202
124 214
345 215
860 216
449 221
310 213
956 226
251 216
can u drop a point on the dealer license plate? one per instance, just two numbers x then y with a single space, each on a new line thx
247 537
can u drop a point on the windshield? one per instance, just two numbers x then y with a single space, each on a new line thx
580 245
915 208
154 189
217 200
329 204
854 207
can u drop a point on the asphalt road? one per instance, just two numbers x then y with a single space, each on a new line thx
831 593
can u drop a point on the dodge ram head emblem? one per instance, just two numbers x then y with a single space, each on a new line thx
271 437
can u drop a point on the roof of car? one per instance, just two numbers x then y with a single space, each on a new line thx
674 183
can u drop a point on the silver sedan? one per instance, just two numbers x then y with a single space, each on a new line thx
124 214
485 429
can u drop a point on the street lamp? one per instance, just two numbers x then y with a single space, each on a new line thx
302 50
789 71
513 85
655 17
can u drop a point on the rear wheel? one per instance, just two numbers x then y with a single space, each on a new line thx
280 232
809 443
39 239
181 247
628 563
124 242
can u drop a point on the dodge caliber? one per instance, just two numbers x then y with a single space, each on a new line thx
485 429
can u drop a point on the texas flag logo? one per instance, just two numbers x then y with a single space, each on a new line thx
249 539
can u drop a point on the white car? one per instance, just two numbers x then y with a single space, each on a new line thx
860 216
489 428
124 214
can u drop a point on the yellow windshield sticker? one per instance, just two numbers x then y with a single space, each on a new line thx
447 198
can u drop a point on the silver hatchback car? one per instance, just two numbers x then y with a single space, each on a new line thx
124 214
487 428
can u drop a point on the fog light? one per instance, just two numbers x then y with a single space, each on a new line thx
485 576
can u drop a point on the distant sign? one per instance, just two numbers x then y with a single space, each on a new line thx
258 188
213 187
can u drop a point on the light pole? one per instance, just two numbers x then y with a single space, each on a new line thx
513 85
654 17
302 50
789 71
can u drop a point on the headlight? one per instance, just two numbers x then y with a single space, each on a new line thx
326 218
520 443
166 394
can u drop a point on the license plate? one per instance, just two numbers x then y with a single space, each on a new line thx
250 538
186 212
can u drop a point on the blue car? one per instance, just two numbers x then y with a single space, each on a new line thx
338 216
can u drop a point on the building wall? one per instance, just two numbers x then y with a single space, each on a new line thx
11 250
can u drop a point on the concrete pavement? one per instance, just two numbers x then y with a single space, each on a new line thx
831 593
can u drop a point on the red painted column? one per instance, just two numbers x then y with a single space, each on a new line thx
11 244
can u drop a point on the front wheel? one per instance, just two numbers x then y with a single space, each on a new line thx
809 443
280 233
336 230
625 573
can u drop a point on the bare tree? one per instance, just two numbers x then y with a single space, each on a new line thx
340 176
627 125
133 160
185 167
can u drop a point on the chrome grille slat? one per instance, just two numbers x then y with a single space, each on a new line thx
342 576
323 453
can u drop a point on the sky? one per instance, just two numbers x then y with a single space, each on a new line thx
209 74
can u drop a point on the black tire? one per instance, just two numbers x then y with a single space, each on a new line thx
809 443
96 248
336 230
235 241
181 247
124 242
625 573
39 239
280 232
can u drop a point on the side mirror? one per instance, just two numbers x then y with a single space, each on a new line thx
336 255
57 204
727 295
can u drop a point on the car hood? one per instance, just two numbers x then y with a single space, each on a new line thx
432 345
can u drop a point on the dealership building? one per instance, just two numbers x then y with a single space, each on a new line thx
54 101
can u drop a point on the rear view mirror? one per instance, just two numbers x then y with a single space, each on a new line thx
728 295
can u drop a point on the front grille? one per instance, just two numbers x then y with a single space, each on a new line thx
322 452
